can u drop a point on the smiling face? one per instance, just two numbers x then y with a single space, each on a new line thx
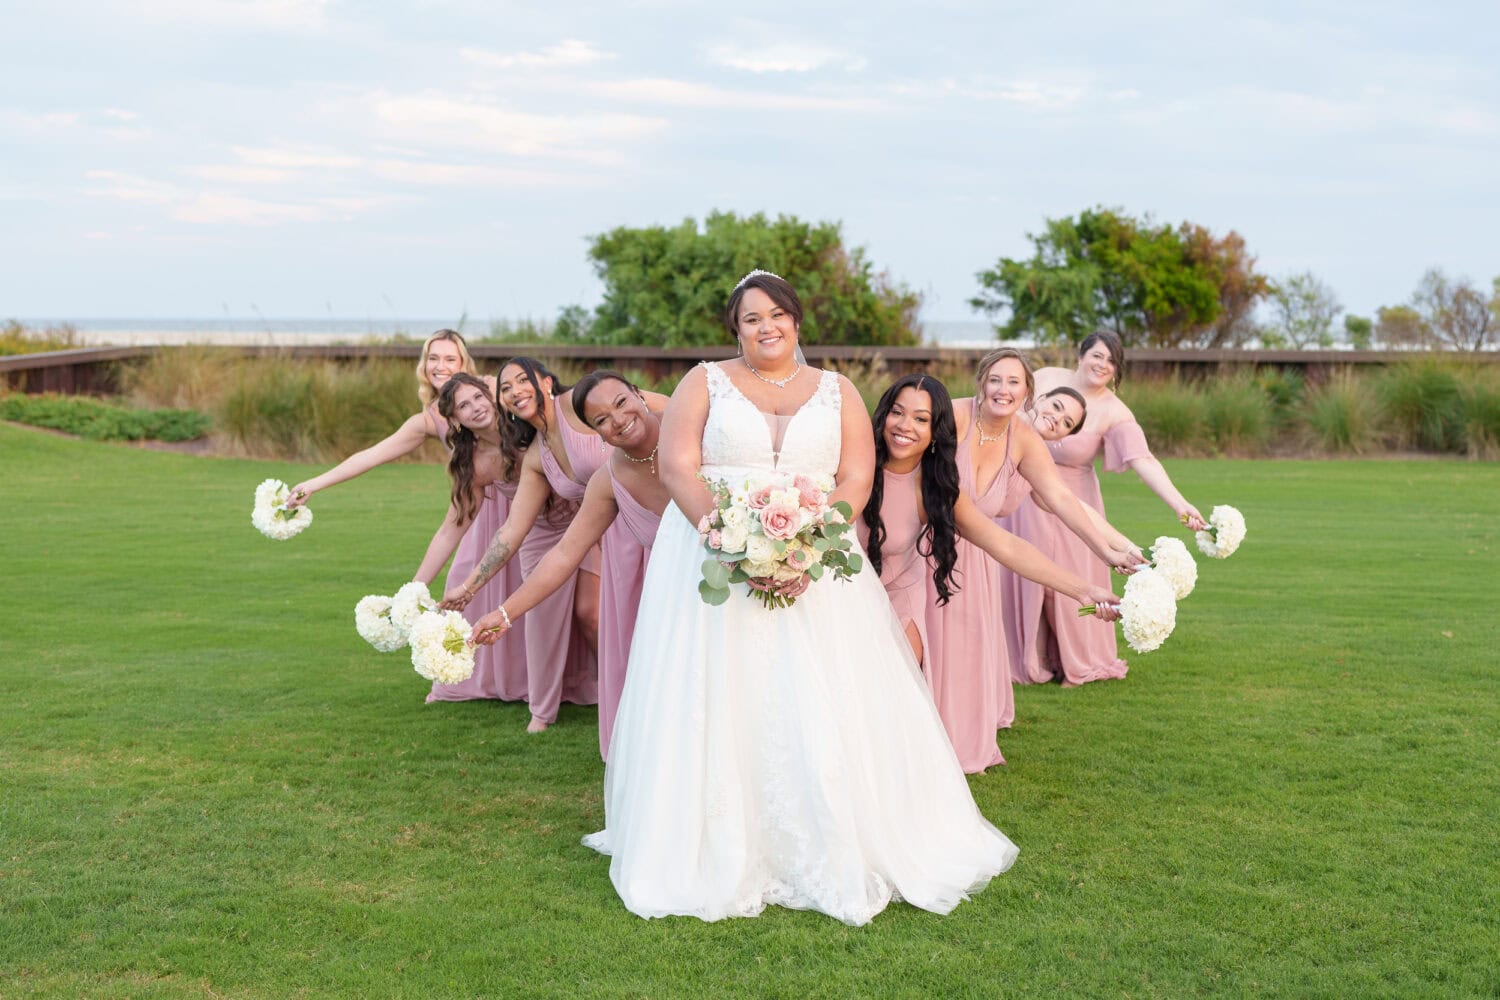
1057 415
473 409
908 428
619 415
519 396
441 362
767 332
1096 368
1003 389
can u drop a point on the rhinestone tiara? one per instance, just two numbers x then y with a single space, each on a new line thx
756 273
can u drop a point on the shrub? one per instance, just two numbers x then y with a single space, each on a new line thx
1481 417
193 376
1423 402
18 339
98 420
1342 415
1173 413
1239 416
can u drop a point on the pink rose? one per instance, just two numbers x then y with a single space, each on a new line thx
704 523
715 539
779 522
799 559
810 496
759 499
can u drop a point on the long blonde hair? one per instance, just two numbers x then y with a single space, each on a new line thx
424 387
992 359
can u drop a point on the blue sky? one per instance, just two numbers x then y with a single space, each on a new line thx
319 158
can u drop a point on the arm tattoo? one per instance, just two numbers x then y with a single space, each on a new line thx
496 556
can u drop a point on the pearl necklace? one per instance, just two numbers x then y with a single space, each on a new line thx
651 458
779 383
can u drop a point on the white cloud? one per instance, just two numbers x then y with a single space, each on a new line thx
443 174
211 208
15 120
785 58
1043 96
234 15
687 94
127 187
451 122
570 53
236 174
295 158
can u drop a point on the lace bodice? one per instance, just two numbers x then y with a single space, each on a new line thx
739 436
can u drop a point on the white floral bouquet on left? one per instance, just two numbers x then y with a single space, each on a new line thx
270 514
773 529
386 622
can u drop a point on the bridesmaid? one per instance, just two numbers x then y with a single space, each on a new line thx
621 511
1000 459
556 459
501 672
1045 643
478 472
916 519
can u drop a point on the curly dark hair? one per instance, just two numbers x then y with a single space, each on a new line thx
463 442
585 385
938 541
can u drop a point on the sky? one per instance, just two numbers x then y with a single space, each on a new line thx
318 158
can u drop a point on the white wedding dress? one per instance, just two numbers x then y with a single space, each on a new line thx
789 756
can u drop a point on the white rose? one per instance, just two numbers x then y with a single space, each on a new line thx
735 517
760 549
732 538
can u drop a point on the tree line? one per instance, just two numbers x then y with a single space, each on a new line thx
1154 284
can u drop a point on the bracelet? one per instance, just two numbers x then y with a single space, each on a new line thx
465 588
504 616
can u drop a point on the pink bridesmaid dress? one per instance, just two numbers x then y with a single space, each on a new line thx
1046 637
968 666
625 551
499 669
904 571
559 664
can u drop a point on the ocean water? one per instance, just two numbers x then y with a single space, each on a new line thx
323 330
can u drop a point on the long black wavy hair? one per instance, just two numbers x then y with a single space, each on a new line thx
462 441
516 434
938 541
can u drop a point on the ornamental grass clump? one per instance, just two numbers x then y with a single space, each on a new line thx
1240 416
1423 403
1342 416
1173 413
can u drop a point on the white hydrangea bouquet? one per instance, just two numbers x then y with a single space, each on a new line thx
773 529
372 620
410 603
270 514
440 648
1148 610
1170 557
1225 532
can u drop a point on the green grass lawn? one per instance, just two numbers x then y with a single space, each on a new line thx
210 786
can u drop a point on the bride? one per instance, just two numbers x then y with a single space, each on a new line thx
789 756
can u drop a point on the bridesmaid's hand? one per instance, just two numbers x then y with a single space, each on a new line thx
297 496
1189 516
489 629
1126 561
456 600
1106 604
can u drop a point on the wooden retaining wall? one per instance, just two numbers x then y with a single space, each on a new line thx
95 370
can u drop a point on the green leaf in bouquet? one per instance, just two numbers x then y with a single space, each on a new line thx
821 543
712 595
715 574
815 571
739 575
855 563
779 547
843 508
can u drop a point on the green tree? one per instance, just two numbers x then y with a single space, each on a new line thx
1457 313
1303 308
1401 326
1360 331
1151 284
668 286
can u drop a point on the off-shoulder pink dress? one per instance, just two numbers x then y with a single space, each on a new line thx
559 664
969 665
625 552
1047 639
904 571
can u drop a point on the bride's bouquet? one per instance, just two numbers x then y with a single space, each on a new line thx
1225 531
270 514
773 529
1169 557
440 649
1148 610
